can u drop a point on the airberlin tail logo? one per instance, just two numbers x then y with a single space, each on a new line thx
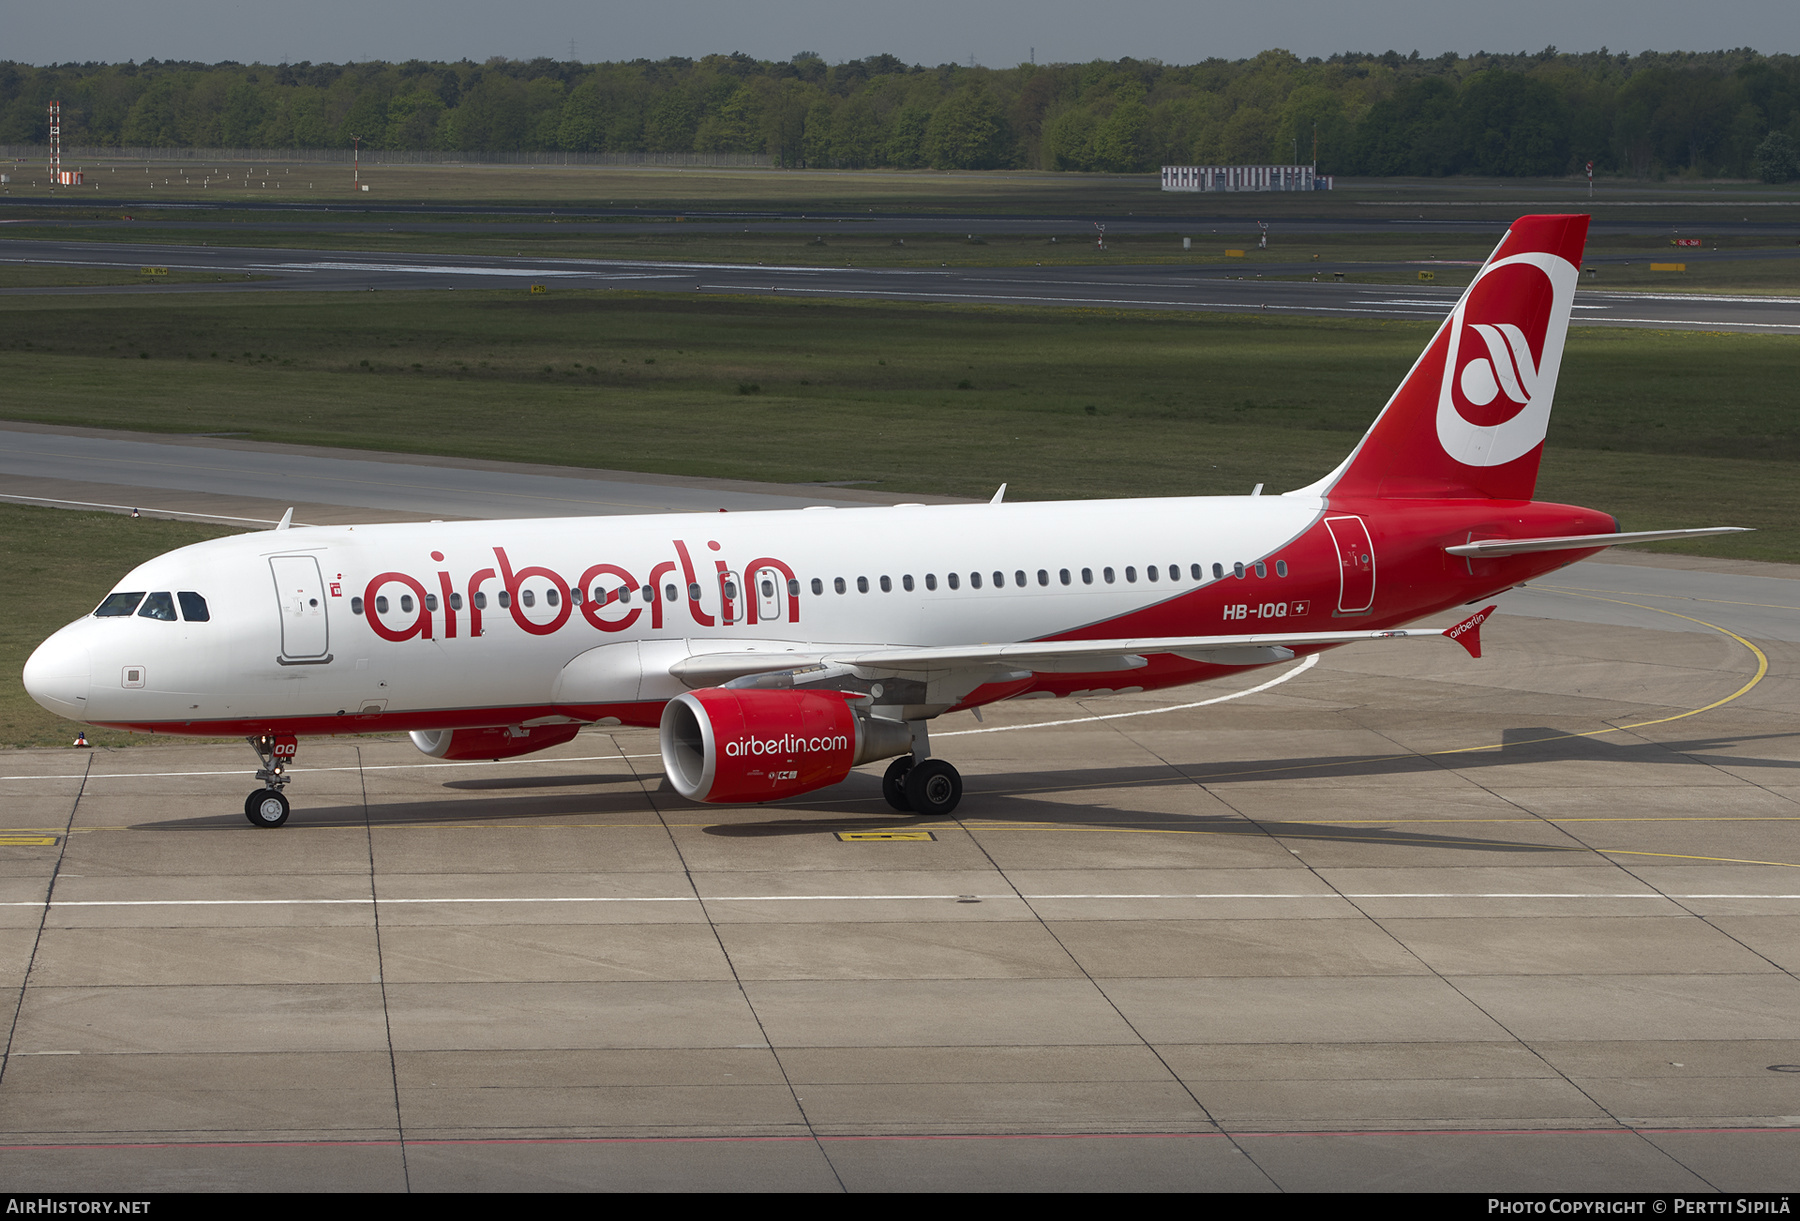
1504 349
1507 369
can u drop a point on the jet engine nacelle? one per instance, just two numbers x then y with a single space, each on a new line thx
499 742
724 744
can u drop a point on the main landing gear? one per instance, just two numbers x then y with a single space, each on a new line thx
929 786
268 806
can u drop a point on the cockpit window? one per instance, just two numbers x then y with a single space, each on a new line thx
193 607
118 604
158 606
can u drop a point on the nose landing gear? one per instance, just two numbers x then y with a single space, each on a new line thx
268 806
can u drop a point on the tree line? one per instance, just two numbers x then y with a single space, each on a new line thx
1696 114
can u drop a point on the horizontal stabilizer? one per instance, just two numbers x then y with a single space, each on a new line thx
1492 547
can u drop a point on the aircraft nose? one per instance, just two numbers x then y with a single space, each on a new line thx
57 675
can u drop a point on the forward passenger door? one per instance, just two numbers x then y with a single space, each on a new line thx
300 593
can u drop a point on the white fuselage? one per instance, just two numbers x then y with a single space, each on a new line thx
390 631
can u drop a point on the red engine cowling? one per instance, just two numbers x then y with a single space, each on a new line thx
724 744
498 742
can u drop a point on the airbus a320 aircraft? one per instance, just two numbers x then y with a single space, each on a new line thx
776 651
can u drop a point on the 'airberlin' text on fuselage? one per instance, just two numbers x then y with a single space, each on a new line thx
786 744
609 597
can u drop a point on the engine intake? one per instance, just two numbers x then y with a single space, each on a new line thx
731 745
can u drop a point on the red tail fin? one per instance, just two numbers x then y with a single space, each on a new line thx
1469 419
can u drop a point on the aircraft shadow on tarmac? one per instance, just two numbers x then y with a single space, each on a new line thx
1203 824
1000 804
1517 747
502 783
1019 797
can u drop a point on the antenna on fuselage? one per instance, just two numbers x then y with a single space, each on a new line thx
999 496
287 519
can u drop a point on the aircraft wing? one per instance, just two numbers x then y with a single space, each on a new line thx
1492 547
1059 656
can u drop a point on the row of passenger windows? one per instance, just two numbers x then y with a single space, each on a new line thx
160 605
1108 576
1021 580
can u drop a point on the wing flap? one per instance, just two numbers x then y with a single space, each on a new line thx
1041 657
1083 655
1239 655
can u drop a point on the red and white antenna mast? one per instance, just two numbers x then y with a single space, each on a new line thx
55 143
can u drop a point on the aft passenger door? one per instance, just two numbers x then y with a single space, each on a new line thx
300 592
1356 564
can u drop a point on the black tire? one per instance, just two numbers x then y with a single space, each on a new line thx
933 788
893 784
266 808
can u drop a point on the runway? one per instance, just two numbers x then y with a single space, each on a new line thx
1156 287
1393 920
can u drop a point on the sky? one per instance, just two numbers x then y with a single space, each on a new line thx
996 33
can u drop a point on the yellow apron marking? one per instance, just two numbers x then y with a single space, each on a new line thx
860 837
1682 856
1577 589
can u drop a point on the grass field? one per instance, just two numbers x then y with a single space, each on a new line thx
962 192
651 188
1058 403
1762 277
16 275
58 564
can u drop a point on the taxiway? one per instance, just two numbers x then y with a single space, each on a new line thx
1393 920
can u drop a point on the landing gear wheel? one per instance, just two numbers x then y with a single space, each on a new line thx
266 808
933 788
893 784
